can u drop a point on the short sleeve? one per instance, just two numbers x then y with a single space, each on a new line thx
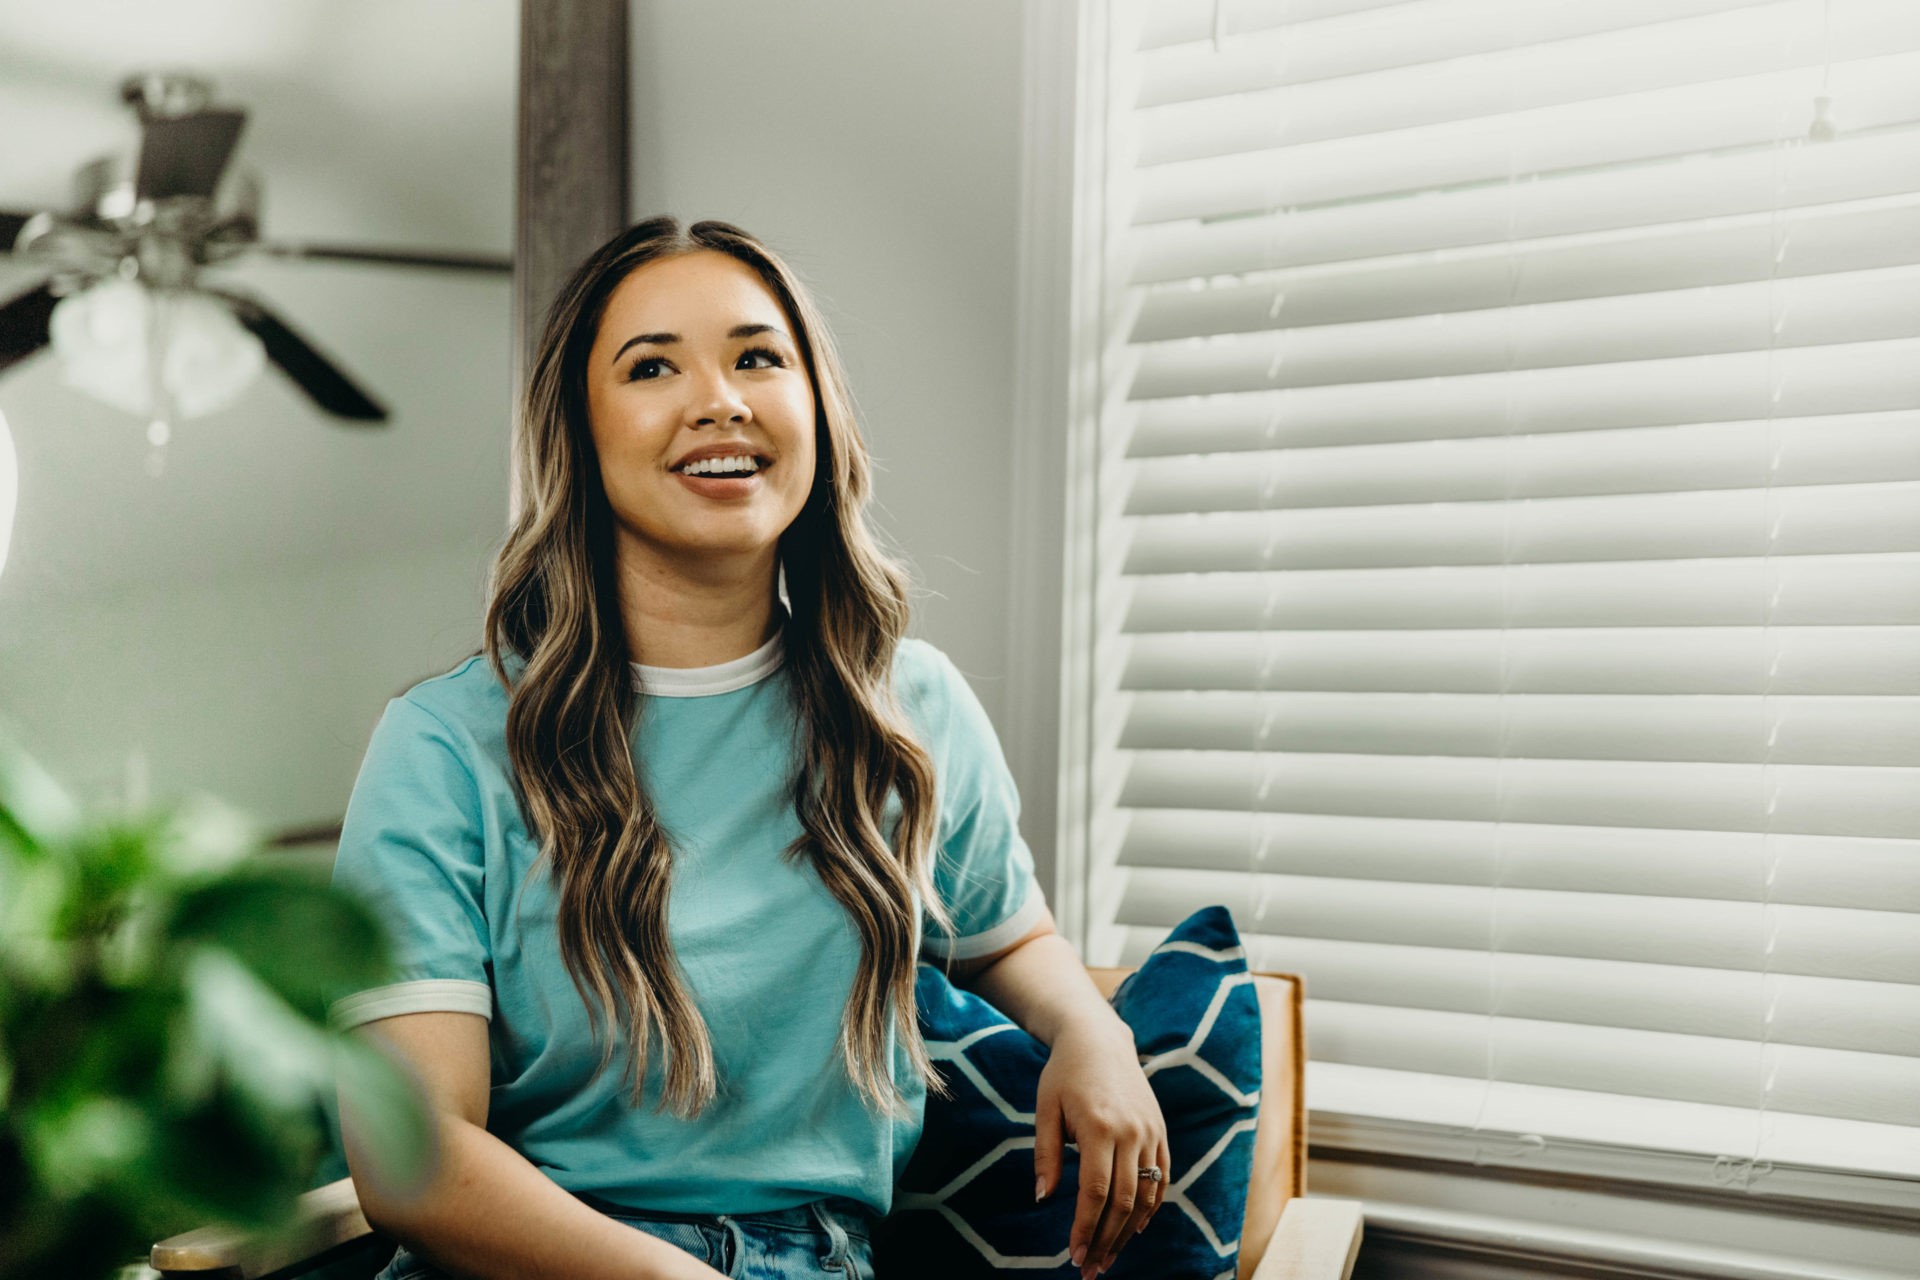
983 869
412 848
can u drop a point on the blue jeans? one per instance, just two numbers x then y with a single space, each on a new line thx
830 1239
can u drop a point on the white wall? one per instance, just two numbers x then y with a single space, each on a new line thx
235 623
876 147
260 690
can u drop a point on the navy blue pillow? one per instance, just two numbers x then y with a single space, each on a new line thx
964 1204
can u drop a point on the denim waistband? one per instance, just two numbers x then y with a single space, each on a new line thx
851 1212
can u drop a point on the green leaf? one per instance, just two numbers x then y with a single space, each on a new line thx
33 897
255 1038
307 941
76 1148
91 1041
216 1162
204 836
35 811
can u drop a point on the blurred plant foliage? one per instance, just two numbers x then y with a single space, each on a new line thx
165 1059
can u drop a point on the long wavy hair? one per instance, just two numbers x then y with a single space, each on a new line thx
553 602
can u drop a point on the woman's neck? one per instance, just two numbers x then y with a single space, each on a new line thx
721 610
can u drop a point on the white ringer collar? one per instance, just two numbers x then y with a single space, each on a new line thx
724 677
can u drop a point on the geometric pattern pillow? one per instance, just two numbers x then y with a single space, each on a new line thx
964 1207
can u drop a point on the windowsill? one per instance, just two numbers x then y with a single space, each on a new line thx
1670 1145
1510 1202
1413 1239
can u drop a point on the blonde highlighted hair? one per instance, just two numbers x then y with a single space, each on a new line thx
554 602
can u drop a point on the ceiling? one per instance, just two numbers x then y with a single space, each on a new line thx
380 123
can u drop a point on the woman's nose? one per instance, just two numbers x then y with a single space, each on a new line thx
717 400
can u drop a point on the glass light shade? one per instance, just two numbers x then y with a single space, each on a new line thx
102 337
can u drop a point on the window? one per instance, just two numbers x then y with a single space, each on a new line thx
1506 557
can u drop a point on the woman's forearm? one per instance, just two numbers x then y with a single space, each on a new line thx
1043 987
490 1213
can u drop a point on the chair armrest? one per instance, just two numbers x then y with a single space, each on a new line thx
1317 1239
327 1216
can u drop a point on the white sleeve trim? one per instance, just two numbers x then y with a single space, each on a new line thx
1012 929
424 995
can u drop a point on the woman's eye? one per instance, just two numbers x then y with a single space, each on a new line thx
647 368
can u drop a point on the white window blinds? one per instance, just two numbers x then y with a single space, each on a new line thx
1509 539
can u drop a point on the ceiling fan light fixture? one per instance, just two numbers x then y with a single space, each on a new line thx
103 334
9 489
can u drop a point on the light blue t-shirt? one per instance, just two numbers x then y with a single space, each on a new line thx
433 838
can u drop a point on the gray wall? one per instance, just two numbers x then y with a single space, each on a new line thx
877 148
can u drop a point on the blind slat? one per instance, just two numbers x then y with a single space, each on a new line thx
1827 1013
1635 460
1806 245
1174 22
1722 523
1781 660
1845 1085
1861 306
1728 728
1729 866
1839 590
1414 32
1859 946
1836 800
1808 381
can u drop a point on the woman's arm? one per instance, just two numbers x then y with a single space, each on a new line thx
487 1210
1092 1090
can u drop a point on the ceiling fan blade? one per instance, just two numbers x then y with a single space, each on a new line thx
314 373
11 220
486 263
23 324
185 155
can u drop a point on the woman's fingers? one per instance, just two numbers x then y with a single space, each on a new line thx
1123 1195
1166 1174
1049 1144
1096 1181
1153 1192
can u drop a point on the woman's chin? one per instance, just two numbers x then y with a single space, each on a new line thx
709 547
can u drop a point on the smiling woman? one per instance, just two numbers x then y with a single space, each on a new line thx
705 827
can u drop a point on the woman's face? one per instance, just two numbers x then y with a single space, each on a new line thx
702 411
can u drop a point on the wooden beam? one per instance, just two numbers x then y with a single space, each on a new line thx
571 170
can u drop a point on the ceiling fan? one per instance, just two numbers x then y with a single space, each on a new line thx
125 262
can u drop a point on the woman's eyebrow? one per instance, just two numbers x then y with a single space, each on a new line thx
667 339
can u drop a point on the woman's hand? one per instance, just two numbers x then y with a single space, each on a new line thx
1093 1093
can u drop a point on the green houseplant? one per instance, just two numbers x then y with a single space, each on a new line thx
165 1060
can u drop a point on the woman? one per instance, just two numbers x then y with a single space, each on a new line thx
687 821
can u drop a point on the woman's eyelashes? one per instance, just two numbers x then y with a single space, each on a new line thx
646 368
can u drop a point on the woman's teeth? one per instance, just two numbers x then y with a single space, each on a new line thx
722 466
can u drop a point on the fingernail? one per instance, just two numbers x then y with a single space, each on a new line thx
1079 1255
1039 1190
